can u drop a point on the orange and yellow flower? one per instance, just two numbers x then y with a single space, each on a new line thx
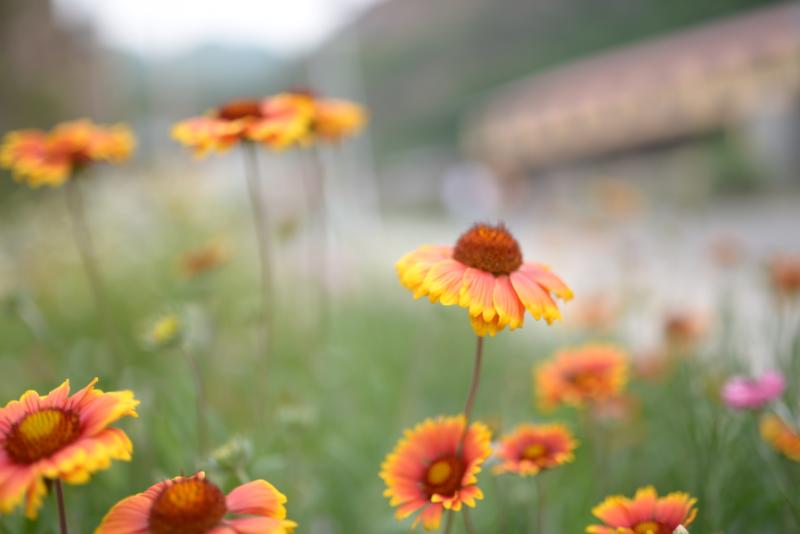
429 471
51 158
59 436
276 122
196 505
530 448
580 376
782 437
332 119
646 513
336 119
484 273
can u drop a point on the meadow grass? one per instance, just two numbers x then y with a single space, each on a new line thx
319 415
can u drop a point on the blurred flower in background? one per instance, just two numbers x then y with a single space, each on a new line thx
51 158
744 393
529 449
685 329
781 436
336 119
164 331
204 259
784 274
581 376
276 122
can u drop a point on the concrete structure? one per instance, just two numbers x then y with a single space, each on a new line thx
688 83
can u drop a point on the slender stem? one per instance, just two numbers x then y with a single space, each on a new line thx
262 236
468 522
473 389
200 402
318 215
62 512
540 505
85 246
448 523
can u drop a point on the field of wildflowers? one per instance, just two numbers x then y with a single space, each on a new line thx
240 395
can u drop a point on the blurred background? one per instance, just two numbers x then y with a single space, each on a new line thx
646 150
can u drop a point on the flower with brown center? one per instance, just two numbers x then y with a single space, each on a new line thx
52 158
485 273
59 436
530 449
275 122
194 505
646 513
430 470
581 376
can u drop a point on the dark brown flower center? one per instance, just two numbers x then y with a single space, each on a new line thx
489 248
40 434
189 506
240 109
444 476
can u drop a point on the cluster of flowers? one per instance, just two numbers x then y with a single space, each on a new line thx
45 440
277 122
435 467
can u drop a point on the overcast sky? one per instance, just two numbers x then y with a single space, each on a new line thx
166 27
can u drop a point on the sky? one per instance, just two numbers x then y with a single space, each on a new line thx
171 27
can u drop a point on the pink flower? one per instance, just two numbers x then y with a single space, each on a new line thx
746 393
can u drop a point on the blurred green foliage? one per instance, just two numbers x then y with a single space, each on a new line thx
318 414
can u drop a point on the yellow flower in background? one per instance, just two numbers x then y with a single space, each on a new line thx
429 473
51 158
165 330
276 122
782 437
646 513
530 449
580 376
59 436
484 272
195 505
